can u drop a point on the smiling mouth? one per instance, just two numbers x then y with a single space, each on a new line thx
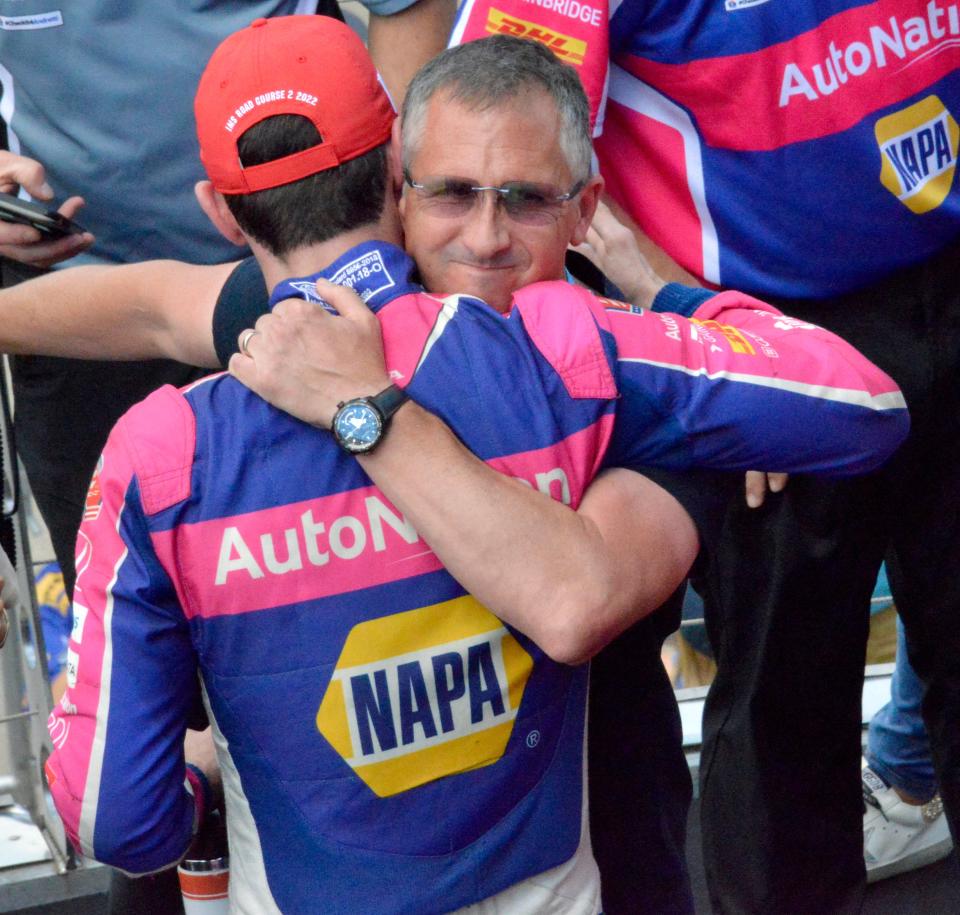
471 265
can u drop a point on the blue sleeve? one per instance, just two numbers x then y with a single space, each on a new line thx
146 816
117 773
742 387
387 7
680 299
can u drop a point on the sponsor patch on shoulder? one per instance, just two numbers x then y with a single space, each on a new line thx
617 305
569 49
94 501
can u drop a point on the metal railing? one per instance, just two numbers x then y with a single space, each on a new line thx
25 698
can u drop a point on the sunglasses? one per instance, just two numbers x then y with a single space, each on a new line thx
522 201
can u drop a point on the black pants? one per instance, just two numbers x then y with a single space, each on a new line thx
787 599
640 786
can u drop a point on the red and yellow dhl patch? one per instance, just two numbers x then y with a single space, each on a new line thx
738 342
568 49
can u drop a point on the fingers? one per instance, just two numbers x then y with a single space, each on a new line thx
756 484
777 481
30 246
15 233
755 488
26 244
240 366
24 172
243 341
71 206
296 308
245 370
344 299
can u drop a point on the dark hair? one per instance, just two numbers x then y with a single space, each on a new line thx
313 209
487 72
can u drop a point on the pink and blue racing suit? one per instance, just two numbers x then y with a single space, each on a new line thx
387 744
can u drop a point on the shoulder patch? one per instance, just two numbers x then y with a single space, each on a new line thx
562 323
161 436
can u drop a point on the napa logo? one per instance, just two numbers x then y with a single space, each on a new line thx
424 694
918 149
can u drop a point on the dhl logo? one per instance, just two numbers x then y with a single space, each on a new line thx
424 694
570 50
738 342
918 148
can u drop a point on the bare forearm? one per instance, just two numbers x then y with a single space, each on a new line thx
553 573
402 43
158 309
48 315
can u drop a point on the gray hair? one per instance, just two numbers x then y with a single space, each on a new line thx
484 73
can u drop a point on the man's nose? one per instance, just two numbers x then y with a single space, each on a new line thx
486 230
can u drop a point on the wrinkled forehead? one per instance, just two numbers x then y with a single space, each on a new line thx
511 139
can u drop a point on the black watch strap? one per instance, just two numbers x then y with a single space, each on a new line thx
389 400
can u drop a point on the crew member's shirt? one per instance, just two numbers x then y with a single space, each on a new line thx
102 95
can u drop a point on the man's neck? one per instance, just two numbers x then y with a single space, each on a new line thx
311 258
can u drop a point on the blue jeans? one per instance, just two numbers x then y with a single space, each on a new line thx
898 749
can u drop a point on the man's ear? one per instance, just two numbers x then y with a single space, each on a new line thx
395 160
212 203
587 203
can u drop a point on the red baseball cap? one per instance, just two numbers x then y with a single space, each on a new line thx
313 66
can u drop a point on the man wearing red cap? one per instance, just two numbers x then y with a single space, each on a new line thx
391 746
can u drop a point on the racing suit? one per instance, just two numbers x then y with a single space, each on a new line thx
386 743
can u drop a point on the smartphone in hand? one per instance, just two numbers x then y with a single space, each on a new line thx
43 218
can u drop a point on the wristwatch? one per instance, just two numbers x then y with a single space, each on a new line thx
360 424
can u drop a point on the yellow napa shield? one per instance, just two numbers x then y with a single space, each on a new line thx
918 153
424 694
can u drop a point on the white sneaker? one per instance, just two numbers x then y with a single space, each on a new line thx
899 837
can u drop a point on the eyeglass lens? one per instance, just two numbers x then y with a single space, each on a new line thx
522 201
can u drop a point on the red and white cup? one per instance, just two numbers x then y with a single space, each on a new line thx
204 886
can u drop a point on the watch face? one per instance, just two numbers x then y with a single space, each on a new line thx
357 426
